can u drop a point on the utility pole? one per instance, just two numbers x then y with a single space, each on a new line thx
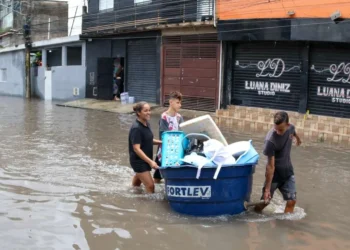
28 46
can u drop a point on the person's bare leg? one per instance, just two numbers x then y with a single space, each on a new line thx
147 180
136 182
290 206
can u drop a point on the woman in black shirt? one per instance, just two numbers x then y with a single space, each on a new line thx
141 143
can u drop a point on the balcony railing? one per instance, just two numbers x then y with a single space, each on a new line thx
150 13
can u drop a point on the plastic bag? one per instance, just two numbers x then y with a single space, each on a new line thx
217 153
197 160
211 147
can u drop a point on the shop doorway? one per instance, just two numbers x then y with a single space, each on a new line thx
118 77
110 77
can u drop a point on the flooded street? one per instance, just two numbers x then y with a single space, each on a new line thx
65 184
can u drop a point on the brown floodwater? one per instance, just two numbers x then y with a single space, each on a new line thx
65 184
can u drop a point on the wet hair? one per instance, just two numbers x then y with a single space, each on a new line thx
281 117
138 107
175 95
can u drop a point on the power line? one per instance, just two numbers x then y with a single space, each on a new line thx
109 21
133 7
230 8
257 30
112 25
263 28
280 26
105 17
12 10
176 8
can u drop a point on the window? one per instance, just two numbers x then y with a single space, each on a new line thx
6 8
106 5
139 2
74 55
54 57
3 75
204 8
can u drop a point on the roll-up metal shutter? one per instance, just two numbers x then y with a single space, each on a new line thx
329 81
267 75
191 66
142 70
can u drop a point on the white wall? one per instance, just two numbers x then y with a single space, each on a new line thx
75 5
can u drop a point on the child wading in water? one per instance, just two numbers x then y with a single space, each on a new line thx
169 121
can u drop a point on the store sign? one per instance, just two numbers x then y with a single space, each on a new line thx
336 70
267 88
271 68
189 191
337 95
341 74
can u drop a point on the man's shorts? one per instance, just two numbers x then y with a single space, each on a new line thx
287 189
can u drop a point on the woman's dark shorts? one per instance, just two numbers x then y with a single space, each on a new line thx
141 168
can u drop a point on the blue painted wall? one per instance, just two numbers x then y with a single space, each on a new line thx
64 79
14 63
38 84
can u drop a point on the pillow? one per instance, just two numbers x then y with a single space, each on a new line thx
238 148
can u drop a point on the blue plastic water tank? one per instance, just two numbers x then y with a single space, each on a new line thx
206 196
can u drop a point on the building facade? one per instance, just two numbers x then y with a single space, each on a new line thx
12 72
57 57
165 46
49 20
286 55
58 69
277 56
61 74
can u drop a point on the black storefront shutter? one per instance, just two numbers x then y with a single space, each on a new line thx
329 81
105 78
142 70
267 75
